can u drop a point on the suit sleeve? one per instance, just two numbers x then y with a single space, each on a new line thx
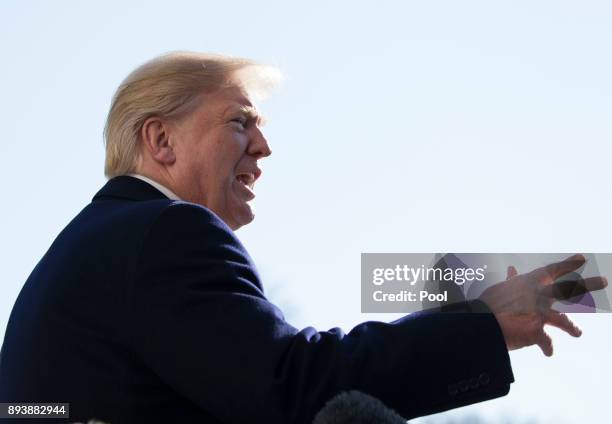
199 320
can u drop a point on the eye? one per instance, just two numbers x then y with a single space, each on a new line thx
241 122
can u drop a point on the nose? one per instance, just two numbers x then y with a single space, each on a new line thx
258 145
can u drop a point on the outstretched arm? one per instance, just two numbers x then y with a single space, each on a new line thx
201 322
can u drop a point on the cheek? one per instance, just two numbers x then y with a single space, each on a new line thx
216 161
232 152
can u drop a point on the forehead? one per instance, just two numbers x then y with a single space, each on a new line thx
219 105
231 97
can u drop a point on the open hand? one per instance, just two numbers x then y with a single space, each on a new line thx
523 303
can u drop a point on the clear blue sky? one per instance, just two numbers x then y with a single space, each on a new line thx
402 127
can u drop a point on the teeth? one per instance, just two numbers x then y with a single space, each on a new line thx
246 179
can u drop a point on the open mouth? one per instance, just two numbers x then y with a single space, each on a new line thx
247 179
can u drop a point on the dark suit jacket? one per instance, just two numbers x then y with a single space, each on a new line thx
150 310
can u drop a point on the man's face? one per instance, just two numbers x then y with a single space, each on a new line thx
217 149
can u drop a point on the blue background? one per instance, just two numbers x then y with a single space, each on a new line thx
401 127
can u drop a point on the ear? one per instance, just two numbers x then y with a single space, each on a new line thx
156 140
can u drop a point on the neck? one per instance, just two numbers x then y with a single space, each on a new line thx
158 181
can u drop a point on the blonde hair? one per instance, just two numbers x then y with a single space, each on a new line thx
168 86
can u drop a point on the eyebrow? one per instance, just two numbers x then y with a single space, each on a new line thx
251 113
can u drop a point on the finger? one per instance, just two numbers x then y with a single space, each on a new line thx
551 272
512 272
564 290
563 322
545 343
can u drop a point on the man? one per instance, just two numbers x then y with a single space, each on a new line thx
147 308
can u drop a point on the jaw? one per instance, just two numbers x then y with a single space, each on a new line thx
243 215
236 209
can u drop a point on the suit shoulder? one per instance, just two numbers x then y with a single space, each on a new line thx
179 221
179 212
188 230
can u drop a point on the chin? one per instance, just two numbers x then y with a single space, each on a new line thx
243 215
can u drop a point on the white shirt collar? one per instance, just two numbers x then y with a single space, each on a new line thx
165 190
